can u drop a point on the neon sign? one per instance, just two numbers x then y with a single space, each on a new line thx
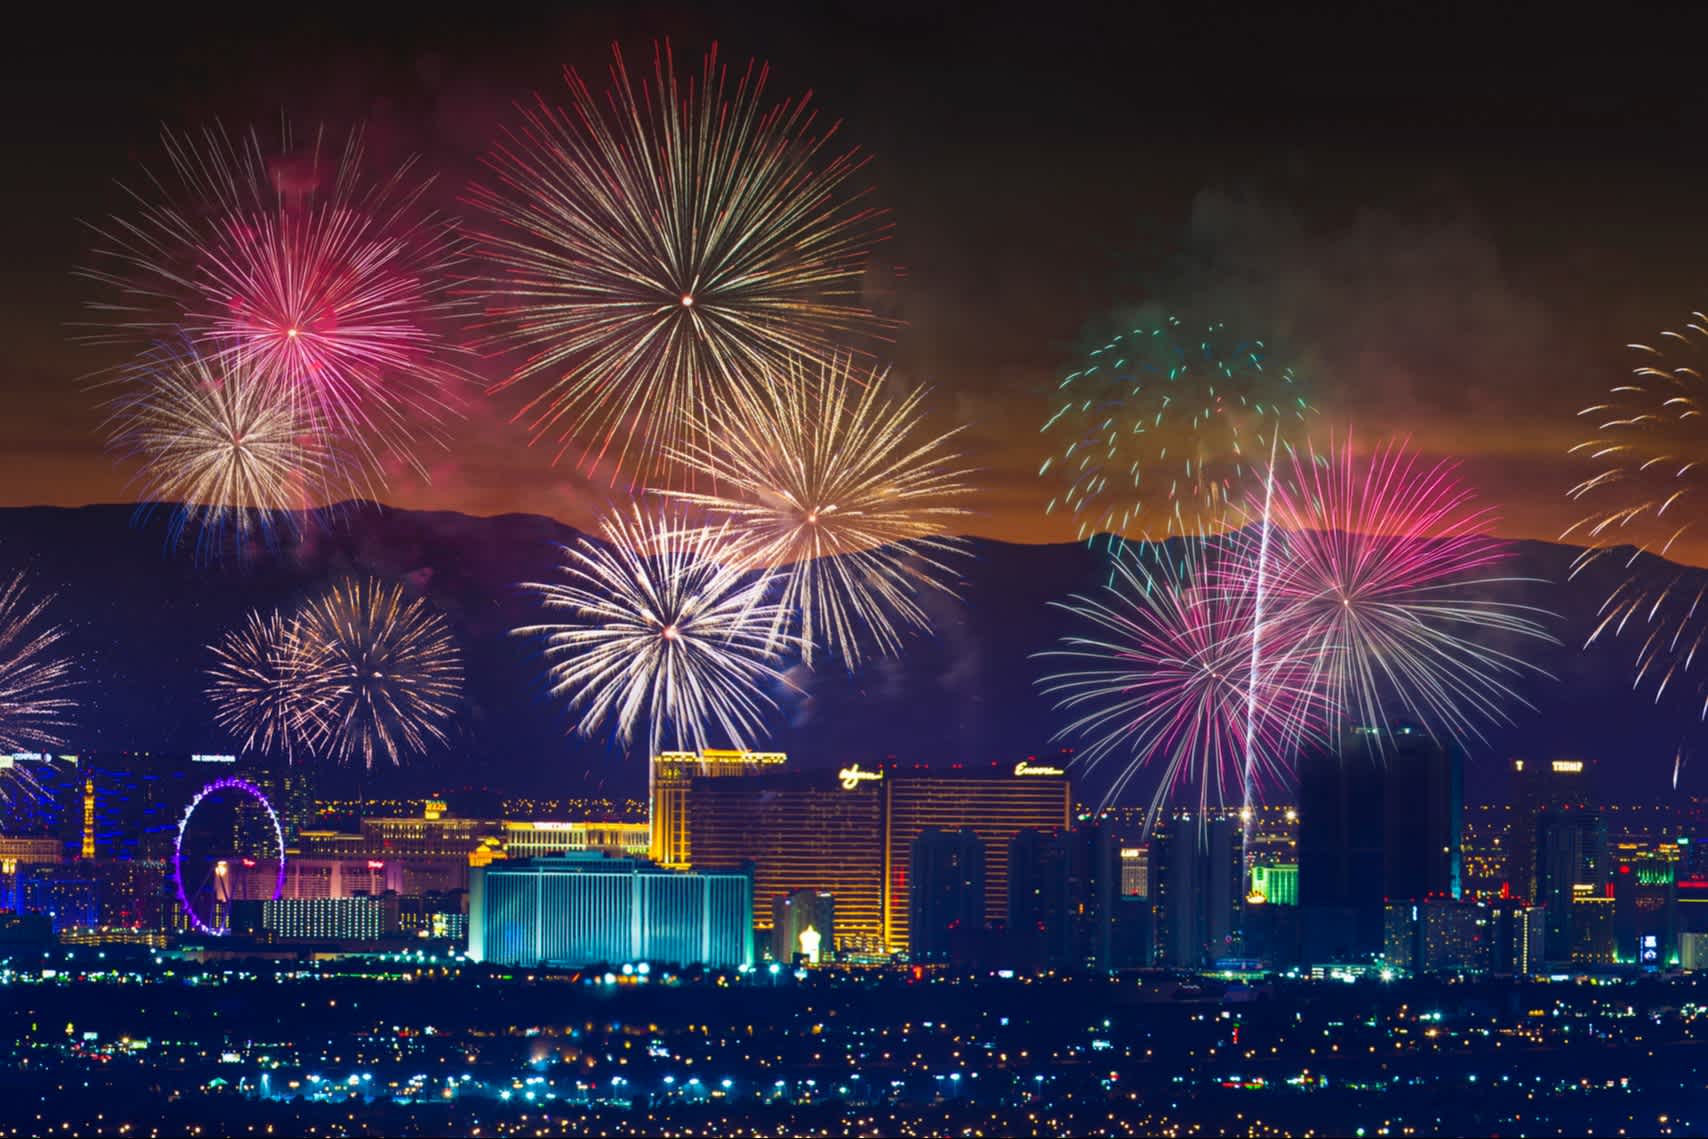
852 776
1024 768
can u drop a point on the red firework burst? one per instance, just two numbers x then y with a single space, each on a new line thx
302 270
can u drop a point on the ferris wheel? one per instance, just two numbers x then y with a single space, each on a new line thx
218 859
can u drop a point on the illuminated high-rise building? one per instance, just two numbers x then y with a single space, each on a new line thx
1592 930
946 891
1438 935
672 774
1199 871
1062 890
1271 833
433 832
1645 910
1572 864
1379 822
134 892
533 839
1135 872
574 910
70 895
1517 938
331 919
435 915
1421 856
1486 853
801 830
1564 784
1341 848
849 832
995 802
29 850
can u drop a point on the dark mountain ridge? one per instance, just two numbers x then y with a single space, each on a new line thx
142 615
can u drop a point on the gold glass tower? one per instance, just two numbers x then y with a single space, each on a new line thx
802 830
668 794
995 802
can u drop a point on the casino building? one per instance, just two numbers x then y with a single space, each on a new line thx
672 774
799 830
850 833
995 802
588 908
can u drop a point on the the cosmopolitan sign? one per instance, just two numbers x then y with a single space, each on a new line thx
852 776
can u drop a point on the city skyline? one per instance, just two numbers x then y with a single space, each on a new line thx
468 894
684 569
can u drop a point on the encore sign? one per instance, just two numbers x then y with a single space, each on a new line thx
1024 768
852 777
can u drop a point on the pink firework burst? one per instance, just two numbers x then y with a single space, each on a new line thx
1382 582
299 269
1158 675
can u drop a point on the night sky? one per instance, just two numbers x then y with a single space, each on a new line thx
1444 240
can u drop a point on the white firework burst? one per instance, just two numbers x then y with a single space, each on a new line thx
36 674
661 628
266 685
833 484
229 448
662 240
386 674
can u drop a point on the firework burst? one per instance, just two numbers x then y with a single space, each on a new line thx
1158 676
268 685
303 272
222 443
832 484
664 627
1162 426
1383 584
35 672
383 675
659 245
1645 492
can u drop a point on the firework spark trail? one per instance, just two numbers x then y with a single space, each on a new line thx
268 685
1161 678
1377 587
334 287
1644 492
1153 432
832 484
659 246
662 625
219 441
386 674
1259 583
36 677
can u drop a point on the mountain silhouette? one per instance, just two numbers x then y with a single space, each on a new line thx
141 615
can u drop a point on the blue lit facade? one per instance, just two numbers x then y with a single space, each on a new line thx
586 908
109 804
